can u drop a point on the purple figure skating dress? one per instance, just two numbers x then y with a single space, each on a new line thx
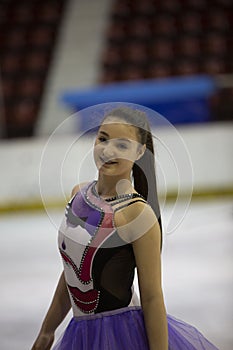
99 271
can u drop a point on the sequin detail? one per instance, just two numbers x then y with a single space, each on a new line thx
78 214
87 302
83 273
121 197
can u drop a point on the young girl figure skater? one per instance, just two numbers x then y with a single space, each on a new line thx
111 226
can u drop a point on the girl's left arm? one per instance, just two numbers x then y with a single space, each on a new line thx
148 261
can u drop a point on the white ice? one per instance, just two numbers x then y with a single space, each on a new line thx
197 272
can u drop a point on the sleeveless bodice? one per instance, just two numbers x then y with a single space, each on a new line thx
98 265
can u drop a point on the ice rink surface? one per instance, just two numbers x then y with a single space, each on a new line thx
197 272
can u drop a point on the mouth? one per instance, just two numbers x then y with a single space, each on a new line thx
107 162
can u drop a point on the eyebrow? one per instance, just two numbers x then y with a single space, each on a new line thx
104 133
107 135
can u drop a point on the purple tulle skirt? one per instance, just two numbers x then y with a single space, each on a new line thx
124 329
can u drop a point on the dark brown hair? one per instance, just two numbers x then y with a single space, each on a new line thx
143 169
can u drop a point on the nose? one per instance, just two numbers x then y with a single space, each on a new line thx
109 151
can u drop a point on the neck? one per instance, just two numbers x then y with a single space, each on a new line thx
109 186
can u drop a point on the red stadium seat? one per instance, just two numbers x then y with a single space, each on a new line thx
11 63
213 66
7 88
41 36
188 46
191 23
215 44
218 20
196 4
133 73
164 26
145 8
37 61
121 9
48 12
116 32
22 14
30 87
162 50
140 29
186 67
158 70
15 38
170 6
27 34
109 76
24 112
136 53
112 56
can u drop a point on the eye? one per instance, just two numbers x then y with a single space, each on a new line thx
102 139
122 146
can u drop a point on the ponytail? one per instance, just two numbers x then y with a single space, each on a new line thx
145 178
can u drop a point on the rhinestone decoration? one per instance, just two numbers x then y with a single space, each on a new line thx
114 198
66 257
80 299
87 311
83 271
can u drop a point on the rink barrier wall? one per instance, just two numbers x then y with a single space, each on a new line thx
22 188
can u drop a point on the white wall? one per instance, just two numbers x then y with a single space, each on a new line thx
51 167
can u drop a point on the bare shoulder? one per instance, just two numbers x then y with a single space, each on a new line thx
77 188
131 212
135 220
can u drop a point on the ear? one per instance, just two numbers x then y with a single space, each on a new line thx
141 151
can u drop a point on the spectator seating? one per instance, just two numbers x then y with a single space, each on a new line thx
157 39
28 31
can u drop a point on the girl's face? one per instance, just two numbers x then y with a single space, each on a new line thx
117 147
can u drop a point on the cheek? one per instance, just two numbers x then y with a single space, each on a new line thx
96 151
129 156
97 147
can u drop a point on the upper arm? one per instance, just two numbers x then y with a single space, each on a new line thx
138 225
134 221
148 261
